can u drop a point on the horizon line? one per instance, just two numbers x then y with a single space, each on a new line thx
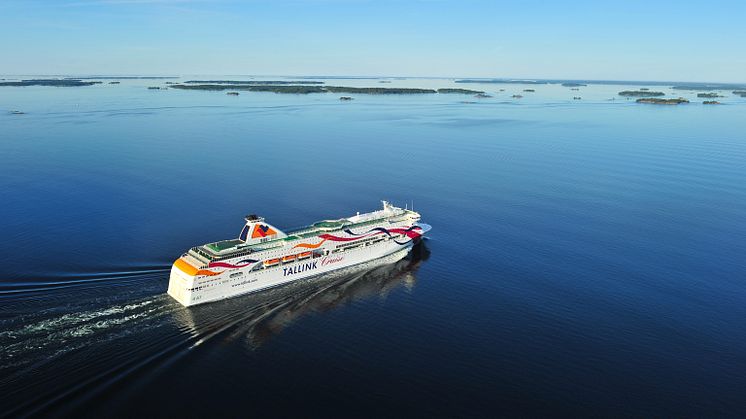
338 76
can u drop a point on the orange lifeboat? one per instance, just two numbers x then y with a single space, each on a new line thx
289 258
304 255
271 262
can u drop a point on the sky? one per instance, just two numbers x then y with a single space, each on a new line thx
657 40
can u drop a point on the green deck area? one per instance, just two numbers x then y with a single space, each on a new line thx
329 224
223 245
303 233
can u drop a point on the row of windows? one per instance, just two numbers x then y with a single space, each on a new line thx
201 287
341 248
374 239
315 254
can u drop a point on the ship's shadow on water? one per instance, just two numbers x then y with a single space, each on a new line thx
258 317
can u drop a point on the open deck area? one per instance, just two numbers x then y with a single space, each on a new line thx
232 247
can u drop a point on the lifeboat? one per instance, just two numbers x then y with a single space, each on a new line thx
271 262
304 255
289 258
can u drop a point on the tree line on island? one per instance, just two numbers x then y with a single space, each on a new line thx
306 89
50 82
644 94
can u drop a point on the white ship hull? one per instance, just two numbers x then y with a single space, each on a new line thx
267 264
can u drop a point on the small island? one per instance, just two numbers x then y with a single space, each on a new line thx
711 102
708 86
461 91
232 93
741 93
572 84
345 98
482 96
576 98
644 88
640 93
529 90
155 88
709 95
252 88
377 90
114 82
517 96
658 101
303 89
50 82
122 78
17 113
253 82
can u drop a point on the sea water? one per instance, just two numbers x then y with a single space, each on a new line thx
586 257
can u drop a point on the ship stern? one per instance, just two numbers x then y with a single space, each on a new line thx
181 282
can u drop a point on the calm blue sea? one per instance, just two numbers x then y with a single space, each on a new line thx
587 257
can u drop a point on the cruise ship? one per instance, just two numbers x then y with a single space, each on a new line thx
263 256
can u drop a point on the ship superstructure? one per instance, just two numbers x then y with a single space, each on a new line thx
264 256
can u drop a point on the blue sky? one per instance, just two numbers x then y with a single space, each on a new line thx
629 40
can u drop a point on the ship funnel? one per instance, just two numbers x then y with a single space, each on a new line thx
257 230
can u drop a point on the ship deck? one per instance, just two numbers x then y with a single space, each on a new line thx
222 249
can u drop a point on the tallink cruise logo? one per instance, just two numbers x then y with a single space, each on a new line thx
303 267
299 268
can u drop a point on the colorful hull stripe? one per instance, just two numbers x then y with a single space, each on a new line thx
240 264
410 232
188 269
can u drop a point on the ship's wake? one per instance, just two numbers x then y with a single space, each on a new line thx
67 354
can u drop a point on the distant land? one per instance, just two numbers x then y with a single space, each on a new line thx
377 90
708 86
253 82
658 101
123 78
640 93
307 85
709 95
50 82
464 91
702 86
582 83
304 89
